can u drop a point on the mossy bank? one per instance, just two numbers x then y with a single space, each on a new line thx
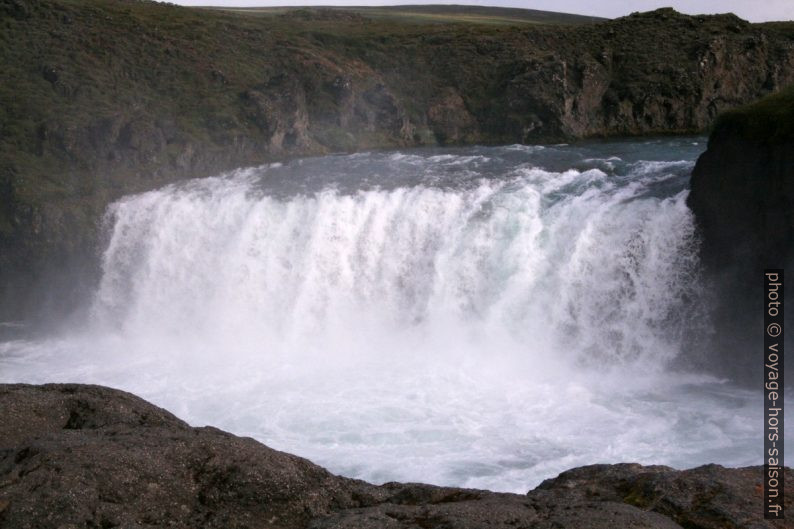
104 98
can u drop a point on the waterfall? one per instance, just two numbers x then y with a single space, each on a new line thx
483 317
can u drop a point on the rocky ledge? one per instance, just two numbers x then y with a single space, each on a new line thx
88 456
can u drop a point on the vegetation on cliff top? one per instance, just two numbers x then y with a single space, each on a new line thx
770 120
434 14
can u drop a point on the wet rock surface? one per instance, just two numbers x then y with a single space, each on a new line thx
89 456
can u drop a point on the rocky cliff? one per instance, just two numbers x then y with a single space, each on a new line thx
102 98
87 456
743 200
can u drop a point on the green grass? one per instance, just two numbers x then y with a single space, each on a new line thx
429 14
770 120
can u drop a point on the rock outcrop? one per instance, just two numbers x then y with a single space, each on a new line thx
109 97
88 456
743 200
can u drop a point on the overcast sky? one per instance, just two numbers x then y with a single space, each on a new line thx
753 10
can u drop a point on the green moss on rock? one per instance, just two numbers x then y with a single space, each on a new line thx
770 120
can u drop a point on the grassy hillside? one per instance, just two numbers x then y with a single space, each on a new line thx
436 14
770 120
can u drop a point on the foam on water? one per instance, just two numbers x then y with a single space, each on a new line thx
483 317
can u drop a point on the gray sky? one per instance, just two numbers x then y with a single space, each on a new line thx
753 10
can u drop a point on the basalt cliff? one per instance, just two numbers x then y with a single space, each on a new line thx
103 98
743 199
88 456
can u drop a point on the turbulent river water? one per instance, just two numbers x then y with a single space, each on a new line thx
483 317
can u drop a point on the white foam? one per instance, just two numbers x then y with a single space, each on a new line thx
486 335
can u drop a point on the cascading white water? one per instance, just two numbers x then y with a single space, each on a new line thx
483 317
550 261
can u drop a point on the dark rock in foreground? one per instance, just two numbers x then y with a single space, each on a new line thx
87 456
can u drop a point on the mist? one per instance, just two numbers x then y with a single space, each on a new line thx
482 317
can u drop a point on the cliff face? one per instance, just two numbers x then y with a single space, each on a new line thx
743 200
743 186
106 98
87 456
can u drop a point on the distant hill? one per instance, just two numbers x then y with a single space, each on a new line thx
439 14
